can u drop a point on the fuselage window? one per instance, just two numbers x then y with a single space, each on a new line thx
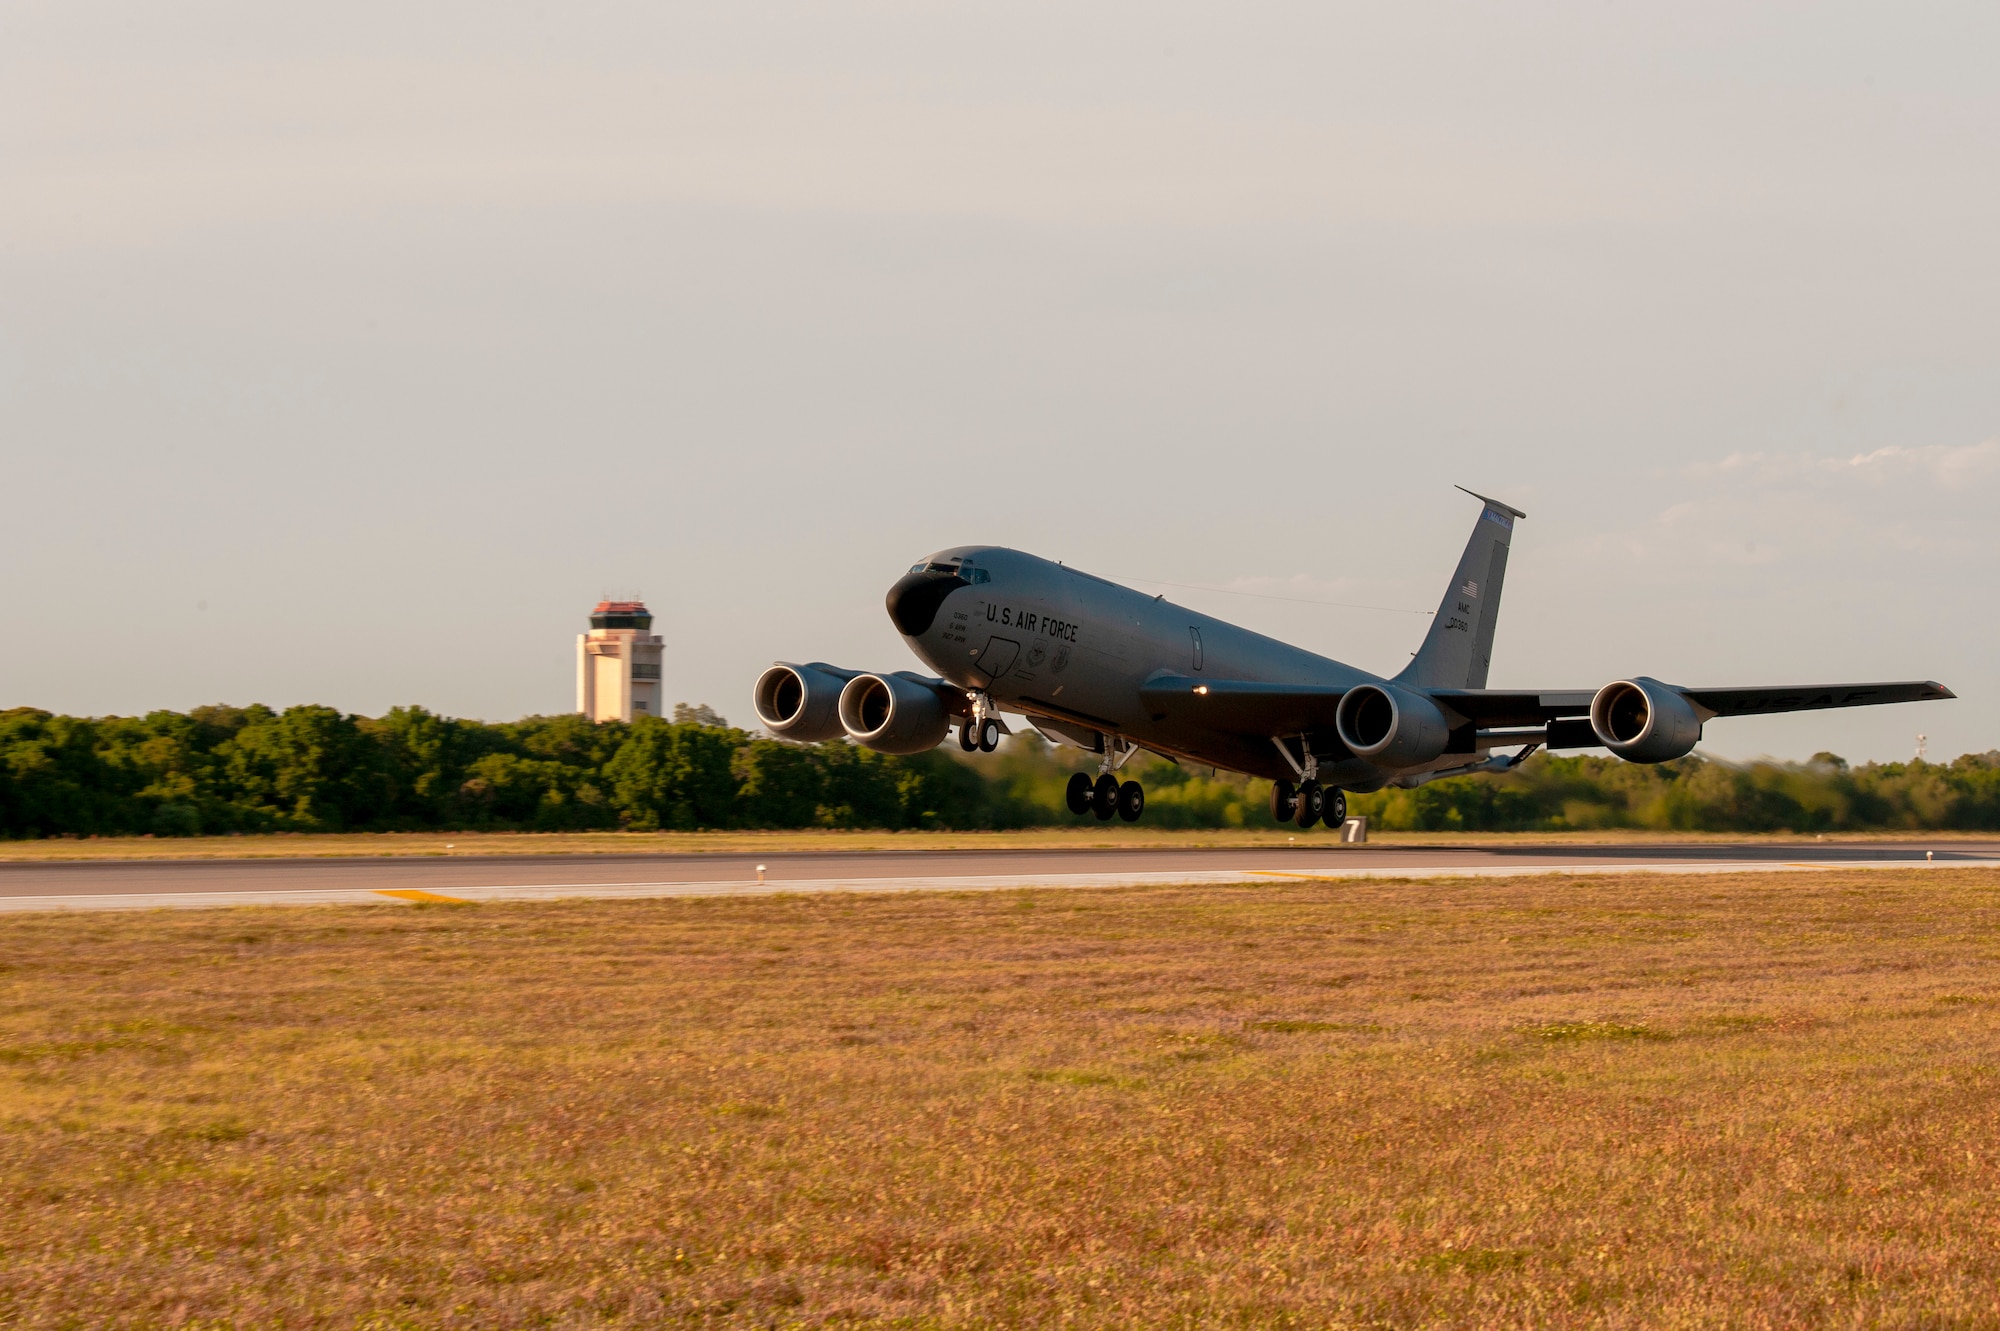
1195 634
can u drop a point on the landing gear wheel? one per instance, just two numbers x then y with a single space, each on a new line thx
1335 811
1078 794
1284 801
989 735
1104 798
968 737
1131 801
1311 801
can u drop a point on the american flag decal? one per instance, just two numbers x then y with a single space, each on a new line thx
1471 588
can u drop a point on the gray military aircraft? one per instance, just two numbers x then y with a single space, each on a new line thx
1111 670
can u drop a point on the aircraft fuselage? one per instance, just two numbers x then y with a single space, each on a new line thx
1058 643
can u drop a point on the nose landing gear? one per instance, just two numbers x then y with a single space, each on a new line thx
980 733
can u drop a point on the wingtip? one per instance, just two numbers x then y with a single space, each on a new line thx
1940 692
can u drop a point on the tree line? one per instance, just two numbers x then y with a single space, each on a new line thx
218 770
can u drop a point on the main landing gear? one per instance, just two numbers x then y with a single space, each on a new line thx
1308 802
1107 797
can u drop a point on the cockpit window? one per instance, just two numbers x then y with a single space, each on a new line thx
959 568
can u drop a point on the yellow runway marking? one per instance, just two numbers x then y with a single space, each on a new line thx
412 894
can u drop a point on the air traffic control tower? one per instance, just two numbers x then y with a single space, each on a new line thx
618 663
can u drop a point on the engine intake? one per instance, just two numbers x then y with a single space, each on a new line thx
1644 721
801 702
1390 727
893 714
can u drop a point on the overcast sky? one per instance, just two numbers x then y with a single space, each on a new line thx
349 353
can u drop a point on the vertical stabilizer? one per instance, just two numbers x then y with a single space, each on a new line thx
1459 647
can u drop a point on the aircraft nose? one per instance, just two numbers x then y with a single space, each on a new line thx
913 602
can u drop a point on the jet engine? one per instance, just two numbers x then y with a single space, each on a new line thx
1390 727
1644 721
893 714
801 702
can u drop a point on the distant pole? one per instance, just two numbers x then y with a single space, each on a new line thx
1923 746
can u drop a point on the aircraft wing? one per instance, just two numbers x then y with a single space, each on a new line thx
1812 698
1487 708
1522 707
1566 713
1245 707
1241 706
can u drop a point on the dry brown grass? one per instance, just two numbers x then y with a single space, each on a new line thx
304 845
1758 1100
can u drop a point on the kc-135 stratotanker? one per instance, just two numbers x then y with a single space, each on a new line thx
1111 670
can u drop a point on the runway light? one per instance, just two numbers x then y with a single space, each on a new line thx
760 873
1201 689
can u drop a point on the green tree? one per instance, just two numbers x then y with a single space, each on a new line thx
674 776
309 769
778 784
56 782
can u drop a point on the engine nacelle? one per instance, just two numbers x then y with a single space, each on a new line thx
1644 721
1390 727
801 702
893 714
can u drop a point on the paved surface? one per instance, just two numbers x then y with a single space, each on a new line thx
143 884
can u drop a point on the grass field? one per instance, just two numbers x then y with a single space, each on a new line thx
1646 1101
306 845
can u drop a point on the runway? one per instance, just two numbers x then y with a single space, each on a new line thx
157 884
